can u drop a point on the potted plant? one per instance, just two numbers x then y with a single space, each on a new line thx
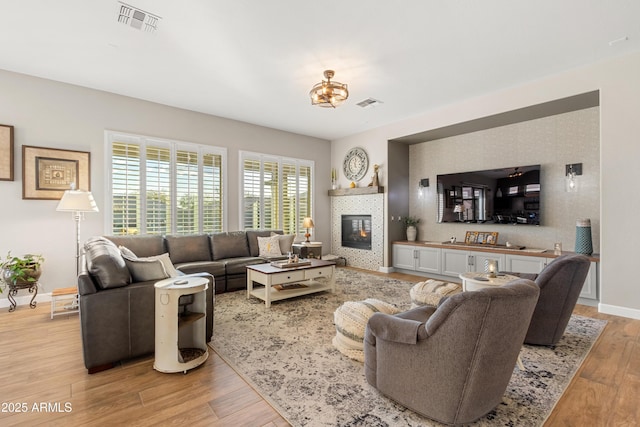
411 223
23 270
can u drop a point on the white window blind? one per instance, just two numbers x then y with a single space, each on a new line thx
277 192
161 187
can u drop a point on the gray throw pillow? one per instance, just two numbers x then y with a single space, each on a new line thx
105 263
148 268
286 242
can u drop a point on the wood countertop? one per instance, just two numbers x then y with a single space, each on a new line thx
525 251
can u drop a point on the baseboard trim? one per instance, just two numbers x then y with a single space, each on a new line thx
619 311
386 269
25 299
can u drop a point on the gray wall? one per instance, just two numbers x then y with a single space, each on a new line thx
57 115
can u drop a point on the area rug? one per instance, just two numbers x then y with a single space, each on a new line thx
286 354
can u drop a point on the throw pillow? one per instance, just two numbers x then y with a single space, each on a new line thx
105 263
286 242
269 246
148 268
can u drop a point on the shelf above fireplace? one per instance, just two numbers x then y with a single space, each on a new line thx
358 191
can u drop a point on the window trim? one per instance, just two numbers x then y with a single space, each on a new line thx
174 145
280 160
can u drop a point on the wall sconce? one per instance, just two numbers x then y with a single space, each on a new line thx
571 171
422 184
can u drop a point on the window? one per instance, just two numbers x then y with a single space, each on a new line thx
164 187
276 192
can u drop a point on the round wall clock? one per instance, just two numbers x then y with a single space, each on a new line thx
355 164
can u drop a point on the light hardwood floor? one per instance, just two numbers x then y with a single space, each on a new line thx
44 378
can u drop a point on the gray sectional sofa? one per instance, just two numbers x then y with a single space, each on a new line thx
117 296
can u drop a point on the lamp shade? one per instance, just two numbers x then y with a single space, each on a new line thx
308 223
457 208
77 201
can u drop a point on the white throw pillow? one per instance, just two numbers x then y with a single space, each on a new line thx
269 246
286 242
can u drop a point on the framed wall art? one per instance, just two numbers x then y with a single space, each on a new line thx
6 153
48 172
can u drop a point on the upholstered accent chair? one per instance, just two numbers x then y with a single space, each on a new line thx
451 363
560 284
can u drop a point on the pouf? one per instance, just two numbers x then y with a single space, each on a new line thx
431 292
350 319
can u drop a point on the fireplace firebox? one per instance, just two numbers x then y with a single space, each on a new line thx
356 231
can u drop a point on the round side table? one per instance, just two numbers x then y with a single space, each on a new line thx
472 281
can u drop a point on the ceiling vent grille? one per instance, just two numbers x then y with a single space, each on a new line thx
138 18
369 102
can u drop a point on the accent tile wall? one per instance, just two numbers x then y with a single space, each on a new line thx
551 142
369 204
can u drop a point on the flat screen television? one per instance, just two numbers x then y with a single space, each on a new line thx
496 196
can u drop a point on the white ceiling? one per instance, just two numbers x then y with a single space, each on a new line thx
255 60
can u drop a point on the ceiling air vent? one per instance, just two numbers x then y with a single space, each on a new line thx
138 18
369 102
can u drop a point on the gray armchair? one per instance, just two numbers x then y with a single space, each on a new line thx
451 363
560 284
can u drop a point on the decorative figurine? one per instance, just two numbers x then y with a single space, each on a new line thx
374 180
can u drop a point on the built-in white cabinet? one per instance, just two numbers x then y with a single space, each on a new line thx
450 262
524 264
417 258
456 261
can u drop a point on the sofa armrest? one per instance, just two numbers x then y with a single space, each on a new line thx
86 285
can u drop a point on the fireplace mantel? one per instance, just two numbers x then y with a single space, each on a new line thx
356 191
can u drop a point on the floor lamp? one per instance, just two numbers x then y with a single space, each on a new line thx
77 202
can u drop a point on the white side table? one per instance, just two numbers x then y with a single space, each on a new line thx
472 281
180 342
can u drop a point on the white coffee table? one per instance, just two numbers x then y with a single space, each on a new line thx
472 281
269 276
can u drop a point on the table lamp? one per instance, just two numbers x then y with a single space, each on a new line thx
307 223
458 209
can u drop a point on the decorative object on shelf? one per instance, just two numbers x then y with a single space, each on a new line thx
557 248
411 226
352 185
48 172
374 179
584 244
77 202
307 223
458 209
571 171
481 238
356 163
334 178
328 94
6 153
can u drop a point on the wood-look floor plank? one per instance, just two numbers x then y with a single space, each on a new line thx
43 364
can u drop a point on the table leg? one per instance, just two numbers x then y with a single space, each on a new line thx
12 301
34 290
332 279
249 283
267 292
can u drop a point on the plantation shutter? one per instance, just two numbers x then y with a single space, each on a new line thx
125 181
158 190
211 193
187 190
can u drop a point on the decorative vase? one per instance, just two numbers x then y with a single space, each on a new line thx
412 232
584 244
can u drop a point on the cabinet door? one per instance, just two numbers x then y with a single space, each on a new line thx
525 264
404 257
428 260
590 288
480 258
454 262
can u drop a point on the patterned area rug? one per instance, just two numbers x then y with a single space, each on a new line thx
287 356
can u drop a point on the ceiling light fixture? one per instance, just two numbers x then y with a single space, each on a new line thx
516 173
329 94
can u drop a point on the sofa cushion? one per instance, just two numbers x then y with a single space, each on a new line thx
148 268
143 246
189 248
215 268
252 239
229 245
269 246
239 265
106 264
